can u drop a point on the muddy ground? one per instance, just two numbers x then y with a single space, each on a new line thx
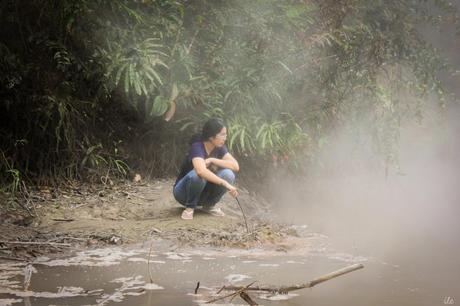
94 216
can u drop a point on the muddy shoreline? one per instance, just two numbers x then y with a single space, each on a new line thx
126 213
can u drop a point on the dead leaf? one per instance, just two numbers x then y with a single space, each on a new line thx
137 178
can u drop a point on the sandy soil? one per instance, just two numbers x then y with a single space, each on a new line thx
88 216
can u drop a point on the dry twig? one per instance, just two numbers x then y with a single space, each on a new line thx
247 298
148 262
36 243
237 292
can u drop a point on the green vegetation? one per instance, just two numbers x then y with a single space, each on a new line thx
90 89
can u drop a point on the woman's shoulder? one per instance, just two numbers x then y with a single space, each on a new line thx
197 148
197 144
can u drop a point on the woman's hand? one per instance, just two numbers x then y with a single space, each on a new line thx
227 162
211 164
231 189
209 161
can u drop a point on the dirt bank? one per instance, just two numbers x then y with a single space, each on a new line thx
92 216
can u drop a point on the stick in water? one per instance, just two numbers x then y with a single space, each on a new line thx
148 263
310 284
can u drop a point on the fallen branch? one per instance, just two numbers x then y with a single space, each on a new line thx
138 196
35 243
68 238
237 292
156 230
63 220
247 299
310 284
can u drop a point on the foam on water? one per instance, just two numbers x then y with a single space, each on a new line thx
234 278
130 286
347 257
63 292
9 302
277 297
268 265
93 258
177 256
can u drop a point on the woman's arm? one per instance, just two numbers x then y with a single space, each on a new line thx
227 161
199 165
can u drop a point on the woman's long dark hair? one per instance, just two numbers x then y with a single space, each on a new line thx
211 128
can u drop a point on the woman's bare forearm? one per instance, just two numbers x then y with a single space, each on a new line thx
226 163
210 176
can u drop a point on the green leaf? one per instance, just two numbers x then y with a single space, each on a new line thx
160 106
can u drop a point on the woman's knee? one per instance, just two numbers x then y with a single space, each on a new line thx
195 179
227 175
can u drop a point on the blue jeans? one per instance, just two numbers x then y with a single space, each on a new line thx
192 189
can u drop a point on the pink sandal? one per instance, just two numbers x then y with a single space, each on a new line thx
187 214
215 211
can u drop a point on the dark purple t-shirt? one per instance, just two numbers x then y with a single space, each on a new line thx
197 150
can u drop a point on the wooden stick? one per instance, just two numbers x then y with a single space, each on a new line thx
302 286
247 299
244 216
238 291
148 262
220 290
35 243
138 196
70 238
28 270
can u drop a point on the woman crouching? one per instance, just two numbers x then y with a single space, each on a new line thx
207 172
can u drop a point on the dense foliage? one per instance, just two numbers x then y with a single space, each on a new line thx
89 87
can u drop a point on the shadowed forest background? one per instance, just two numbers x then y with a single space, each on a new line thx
100 90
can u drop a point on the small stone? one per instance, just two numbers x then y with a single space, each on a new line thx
115 240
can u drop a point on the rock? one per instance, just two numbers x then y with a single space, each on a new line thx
115 240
